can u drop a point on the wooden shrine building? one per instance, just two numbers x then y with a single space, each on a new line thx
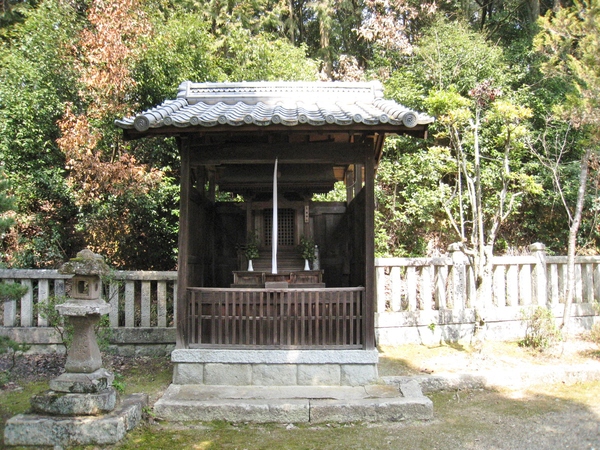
230 136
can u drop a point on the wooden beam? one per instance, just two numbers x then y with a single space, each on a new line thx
369 250
379 139
182 263
326 153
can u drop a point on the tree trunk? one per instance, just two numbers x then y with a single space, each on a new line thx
328 63
573 229
292 22
534 10
481 251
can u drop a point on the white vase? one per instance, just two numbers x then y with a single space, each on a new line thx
250 267
306 265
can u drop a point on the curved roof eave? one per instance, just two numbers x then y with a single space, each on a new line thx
270 106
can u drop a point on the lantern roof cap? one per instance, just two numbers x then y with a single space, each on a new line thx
86 263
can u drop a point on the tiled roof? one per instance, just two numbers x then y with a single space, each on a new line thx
274 103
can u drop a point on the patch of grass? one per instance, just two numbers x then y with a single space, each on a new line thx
13 402
150 375
466 419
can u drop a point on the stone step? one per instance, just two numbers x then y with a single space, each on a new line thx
294 404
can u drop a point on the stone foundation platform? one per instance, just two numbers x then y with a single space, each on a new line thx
275 367
294 404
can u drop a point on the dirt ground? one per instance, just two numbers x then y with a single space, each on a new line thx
556 416
457 358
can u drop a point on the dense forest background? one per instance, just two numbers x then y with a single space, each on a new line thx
514 86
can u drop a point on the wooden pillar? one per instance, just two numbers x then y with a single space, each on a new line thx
349 186
370 296
212 185
358 177
183 244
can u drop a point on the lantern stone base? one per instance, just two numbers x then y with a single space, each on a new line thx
83 383
41 430
59 403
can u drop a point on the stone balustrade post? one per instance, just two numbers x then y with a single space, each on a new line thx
458 277
540 278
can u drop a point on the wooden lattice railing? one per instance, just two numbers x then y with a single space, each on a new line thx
291 318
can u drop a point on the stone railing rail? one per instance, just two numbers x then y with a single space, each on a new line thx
429 299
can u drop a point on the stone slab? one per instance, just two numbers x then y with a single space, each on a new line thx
231 374
411 389
371 410
197 393
64 404
319 375
236 411
290 404
514 378
274 374
42 430
231 356
192 373
358 374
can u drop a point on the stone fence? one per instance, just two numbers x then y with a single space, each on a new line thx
142 310
426 300
419 300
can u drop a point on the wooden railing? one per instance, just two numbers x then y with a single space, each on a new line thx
291 318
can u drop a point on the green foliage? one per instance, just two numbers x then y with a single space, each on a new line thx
119 383
36 79
337 194
428 195
104 333
7 202
11 291
541 331
8 291
181 48
306 249
64 328
570 39
169 58
450 56
443 57
408 215
251 247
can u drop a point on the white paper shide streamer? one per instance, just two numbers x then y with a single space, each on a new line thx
275 231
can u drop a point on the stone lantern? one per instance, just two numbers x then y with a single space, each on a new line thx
83 310
81 407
